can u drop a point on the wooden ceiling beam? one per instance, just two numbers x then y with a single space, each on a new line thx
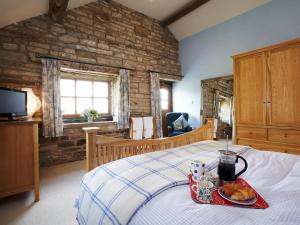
57 9
183 11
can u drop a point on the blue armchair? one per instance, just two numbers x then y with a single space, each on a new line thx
171 117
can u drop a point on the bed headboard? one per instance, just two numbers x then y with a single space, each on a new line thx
101 150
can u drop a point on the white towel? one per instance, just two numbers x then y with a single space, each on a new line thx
148 127
136 128
215 127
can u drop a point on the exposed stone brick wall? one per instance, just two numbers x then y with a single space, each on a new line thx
71 146
102 32
211 88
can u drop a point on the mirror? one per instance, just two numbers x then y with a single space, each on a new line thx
225 109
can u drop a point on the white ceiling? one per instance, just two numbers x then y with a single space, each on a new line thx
212 13
158 9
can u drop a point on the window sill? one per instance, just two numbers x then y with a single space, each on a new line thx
86 124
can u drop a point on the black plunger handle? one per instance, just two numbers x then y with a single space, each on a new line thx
245 168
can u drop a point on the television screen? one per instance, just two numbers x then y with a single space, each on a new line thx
12 102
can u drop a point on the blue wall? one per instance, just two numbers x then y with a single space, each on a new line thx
207 53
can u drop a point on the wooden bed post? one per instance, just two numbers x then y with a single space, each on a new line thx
210 134
91 133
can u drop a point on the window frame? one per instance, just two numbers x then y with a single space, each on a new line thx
109 97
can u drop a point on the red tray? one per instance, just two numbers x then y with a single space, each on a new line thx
218 200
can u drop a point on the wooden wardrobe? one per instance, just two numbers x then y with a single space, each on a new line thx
267 97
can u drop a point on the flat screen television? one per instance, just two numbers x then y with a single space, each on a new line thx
13 103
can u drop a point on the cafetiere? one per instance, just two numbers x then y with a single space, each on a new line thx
226 166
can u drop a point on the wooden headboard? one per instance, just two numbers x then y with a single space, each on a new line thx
100 150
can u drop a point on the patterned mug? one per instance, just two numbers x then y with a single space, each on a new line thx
203 190
214 178
196 168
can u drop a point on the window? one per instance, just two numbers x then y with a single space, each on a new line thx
77 95
164 98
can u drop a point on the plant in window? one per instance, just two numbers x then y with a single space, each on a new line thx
90 114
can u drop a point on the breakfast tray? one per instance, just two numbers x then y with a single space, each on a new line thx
218 200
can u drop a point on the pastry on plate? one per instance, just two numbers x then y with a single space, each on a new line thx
229 188
238 192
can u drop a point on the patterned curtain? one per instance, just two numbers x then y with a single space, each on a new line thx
155 104
122 112
115 88
52 115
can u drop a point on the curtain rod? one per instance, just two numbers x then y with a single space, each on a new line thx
97 64
77 61
174 75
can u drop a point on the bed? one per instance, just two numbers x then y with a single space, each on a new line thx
152 188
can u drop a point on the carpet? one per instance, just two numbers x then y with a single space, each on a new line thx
58 190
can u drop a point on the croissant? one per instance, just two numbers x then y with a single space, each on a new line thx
238 192
243 194
230 188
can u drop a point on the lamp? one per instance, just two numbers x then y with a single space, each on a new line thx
33 102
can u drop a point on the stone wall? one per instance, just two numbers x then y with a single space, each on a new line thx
71 146
97 34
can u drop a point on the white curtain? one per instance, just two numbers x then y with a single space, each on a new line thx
52 115
121 101
155 104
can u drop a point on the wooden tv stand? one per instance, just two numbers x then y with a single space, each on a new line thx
19 157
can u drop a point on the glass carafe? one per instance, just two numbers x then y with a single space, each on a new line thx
226 167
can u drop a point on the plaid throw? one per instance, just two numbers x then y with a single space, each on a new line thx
113 193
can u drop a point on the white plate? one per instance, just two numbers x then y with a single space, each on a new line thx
246 202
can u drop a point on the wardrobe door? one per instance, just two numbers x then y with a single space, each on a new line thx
284 86
250 89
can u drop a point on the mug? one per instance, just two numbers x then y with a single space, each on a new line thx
214 178
196 168
203 190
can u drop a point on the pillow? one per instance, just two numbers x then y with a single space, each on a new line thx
179 123
185 123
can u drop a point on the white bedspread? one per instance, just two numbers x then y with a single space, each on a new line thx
276 176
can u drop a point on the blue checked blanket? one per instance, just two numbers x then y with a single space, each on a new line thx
114 192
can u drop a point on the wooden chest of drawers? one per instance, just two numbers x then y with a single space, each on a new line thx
19 160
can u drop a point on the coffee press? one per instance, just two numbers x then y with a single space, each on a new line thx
226 166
